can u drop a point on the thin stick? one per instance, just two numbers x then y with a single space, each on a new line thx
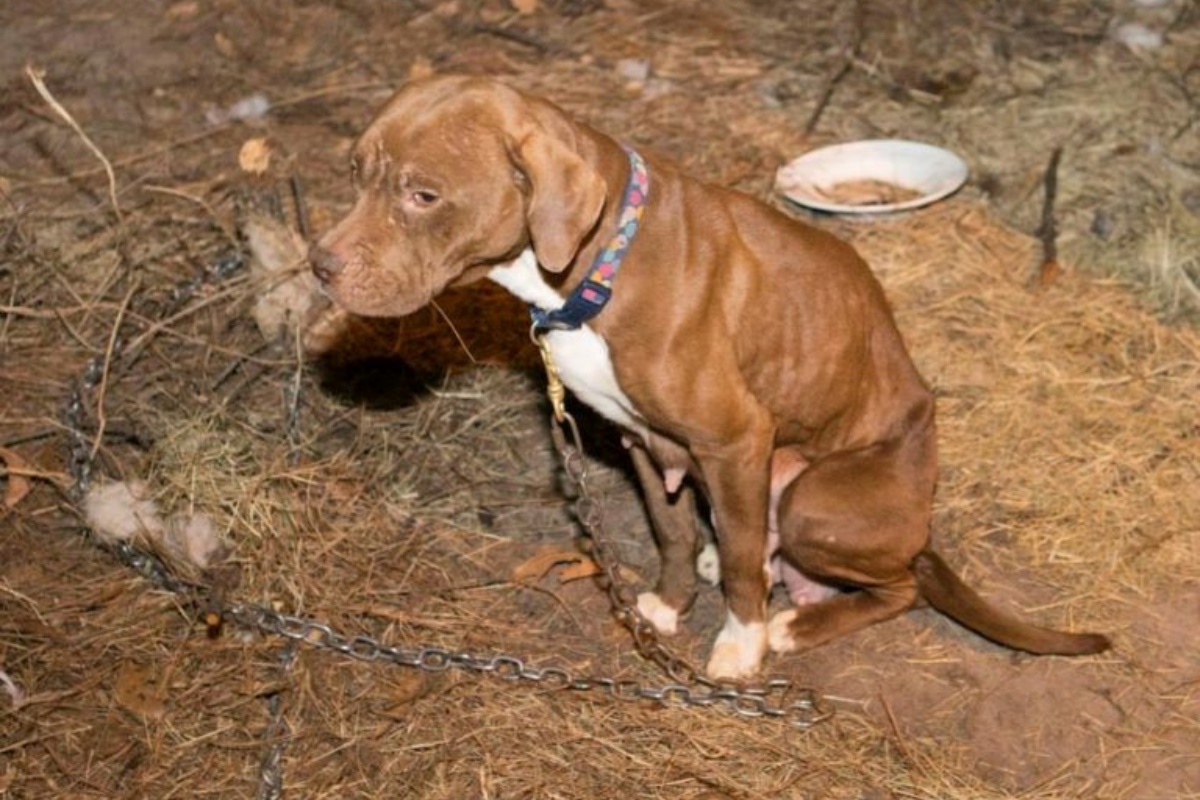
1047 231
301 209
450 322
826 95
899 737
850 54
109 350
520 37
294 401
35 75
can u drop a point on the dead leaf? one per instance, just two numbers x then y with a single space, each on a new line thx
140 691
406 688
255 156
584 568
421 68
224 45
18 484
184 11
524 6
540 563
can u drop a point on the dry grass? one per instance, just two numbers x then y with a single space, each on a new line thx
409 497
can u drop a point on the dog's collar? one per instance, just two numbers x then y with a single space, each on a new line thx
595 290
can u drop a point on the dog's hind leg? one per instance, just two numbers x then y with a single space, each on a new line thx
855 520
673 515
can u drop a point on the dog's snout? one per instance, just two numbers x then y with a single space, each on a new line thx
325 263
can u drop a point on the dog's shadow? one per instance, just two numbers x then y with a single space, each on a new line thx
387 365
378 382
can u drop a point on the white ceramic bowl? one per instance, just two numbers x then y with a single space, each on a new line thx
871 177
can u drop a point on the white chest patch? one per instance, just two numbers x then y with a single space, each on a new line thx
582 356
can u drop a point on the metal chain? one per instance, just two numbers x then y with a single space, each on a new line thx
802 711
271 769
776 699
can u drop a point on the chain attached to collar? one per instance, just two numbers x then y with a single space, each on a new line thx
555 391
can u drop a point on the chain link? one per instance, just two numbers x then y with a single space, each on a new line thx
776 699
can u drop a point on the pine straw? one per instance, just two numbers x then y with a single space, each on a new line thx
1053 391
1069 450
1068 430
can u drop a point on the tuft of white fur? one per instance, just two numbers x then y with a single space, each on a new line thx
582 356
664 618
290 295
193 539
523 279
708 564
738 651
124 511
15 693
121 511
1137 37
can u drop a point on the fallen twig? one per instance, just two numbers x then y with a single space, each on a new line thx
109 352
454 329
1047 231
301 209
850 54
295 402
520 37
35 75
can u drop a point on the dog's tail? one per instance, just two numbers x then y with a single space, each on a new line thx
946 592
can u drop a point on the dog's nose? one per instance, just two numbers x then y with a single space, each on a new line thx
325 264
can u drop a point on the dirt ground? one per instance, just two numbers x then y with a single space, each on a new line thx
405 490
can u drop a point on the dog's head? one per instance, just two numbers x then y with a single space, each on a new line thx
453 176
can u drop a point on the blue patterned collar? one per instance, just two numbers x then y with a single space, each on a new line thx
595 290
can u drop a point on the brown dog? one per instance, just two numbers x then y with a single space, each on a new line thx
741 349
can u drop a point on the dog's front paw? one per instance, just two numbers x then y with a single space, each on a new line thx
739 650
708 565
664 618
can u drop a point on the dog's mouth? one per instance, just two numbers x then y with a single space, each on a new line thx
379 297
381 279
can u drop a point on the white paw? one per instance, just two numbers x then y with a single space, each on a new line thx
739 650
664 618
708 565
778 636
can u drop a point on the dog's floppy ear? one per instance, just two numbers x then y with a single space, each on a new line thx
566 196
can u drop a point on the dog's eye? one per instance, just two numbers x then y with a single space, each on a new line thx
423 198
